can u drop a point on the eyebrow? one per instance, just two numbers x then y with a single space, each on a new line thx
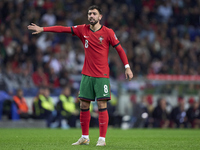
92 12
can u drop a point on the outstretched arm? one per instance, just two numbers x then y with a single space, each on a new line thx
58 29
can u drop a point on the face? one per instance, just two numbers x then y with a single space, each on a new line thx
67 91
94 16
46 92
20 93
41 91
163 104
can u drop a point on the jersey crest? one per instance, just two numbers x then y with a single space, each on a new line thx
100 39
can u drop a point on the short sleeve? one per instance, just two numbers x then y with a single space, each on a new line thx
77 30
113 38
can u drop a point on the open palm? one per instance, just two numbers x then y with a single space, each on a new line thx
35 28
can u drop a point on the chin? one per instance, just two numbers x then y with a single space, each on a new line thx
93 23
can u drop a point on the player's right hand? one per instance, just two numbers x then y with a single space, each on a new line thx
35 28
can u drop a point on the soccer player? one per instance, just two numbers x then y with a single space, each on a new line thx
95 82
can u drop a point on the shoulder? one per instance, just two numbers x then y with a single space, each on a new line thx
110 31
62 96
71 97
107 29
81 26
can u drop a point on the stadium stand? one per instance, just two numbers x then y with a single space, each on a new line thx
161 39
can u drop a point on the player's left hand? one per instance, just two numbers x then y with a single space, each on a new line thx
128 73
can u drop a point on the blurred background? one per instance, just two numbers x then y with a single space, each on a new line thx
40 74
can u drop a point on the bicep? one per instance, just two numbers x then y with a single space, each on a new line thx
113 40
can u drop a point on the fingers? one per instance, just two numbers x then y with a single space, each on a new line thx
35 33
30 27
130 76
33 24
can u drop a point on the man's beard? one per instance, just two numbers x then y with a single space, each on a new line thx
93 23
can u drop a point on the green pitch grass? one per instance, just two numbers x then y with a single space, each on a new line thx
117 139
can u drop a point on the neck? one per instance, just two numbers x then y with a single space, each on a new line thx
95 27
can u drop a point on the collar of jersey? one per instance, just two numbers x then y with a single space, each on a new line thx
97 30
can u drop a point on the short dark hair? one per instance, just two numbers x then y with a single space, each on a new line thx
95 7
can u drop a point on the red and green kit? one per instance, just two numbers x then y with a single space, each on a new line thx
96 46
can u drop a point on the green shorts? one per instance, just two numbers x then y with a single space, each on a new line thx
92 87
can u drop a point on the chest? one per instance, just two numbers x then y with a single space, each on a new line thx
97 38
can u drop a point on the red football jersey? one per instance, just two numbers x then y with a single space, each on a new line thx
96 46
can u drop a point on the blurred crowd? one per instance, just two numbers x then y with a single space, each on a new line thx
61 111
159 37
146 111
163 114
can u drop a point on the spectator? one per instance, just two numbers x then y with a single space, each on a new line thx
53 79
140 113
25 79
165 11
55 63
40 78
44 42
5 105
3 85
64 79
37 114
160 114
47 109
193 113
178 114
11 79
67 108
20 101
49 18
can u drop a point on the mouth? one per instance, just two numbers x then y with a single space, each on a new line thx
92 20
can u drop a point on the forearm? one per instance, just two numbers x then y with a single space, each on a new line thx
122 54
58 29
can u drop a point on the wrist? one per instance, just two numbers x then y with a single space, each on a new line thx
127 66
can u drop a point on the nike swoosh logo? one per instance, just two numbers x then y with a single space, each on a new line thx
105 94
86 36
102 123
